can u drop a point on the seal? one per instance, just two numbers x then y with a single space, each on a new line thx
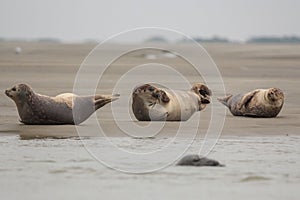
150 103
196 160
264 103
37 109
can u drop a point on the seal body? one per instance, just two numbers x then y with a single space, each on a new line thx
196 160
257 103
150 103
67 108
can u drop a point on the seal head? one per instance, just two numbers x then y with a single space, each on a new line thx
19 92
196 160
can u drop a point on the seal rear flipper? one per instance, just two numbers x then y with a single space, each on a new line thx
224 100
102 100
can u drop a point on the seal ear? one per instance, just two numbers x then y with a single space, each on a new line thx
164 97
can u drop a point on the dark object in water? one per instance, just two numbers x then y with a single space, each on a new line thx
196 160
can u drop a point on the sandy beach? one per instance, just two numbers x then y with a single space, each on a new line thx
261 155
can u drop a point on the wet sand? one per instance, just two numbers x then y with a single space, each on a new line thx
261 155
256 168
51 69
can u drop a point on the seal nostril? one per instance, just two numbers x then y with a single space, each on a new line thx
155 95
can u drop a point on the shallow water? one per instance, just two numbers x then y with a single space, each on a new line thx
256 167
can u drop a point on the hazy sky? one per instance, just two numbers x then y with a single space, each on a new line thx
73 20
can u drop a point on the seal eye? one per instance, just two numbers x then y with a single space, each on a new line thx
14 89
203 92
151 89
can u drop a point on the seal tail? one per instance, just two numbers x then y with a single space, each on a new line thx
224 100
102 100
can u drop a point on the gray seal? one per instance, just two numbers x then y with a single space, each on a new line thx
37 109
150 103
196 160
264 103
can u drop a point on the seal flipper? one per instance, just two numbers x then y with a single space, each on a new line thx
160 95
102 100
224 100
246 99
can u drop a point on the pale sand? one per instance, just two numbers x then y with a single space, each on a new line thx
51 69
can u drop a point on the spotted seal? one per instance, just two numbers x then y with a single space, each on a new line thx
37 109
150 103
257 103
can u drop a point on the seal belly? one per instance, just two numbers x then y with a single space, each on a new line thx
187 105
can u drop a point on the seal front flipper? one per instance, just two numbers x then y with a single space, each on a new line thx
160 95
224 100
246 99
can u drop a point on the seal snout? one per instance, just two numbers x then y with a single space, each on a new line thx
275 94
156 95
8 94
